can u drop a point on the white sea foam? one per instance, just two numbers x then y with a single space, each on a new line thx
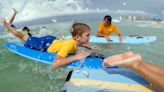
34 9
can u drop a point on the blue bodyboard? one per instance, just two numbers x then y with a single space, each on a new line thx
47 58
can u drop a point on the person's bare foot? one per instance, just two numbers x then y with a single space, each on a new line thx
133 61
14 10
3 20
127 59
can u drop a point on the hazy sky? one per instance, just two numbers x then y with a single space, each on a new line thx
149 6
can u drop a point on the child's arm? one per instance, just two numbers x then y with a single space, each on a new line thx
90 47
60 61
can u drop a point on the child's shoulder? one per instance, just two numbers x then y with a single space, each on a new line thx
69 42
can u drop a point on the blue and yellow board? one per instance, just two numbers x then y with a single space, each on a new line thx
107 80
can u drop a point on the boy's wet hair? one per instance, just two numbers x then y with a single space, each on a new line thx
79 29
26 28
108 17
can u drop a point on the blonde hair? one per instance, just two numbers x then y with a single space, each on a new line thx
79 29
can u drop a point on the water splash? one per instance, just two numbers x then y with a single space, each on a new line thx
50 73
86 73
22 67
54 20
31 10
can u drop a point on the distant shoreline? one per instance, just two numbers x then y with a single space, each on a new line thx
61 18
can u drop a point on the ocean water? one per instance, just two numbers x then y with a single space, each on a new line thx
19 74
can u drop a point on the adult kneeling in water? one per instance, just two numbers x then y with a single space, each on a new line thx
106 27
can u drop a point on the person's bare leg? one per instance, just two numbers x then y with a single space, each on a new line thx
13 16
155 68
150 72
14 30
117 58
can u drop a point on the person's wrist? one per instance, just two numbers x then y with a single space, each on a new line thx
73 58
